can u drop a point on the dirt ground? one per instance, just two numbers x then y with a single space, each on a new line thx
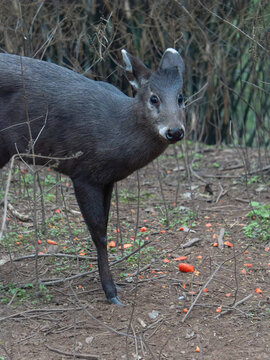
72 319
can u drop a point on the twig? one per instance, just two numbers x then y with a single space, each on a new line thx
16 213
6 196
206 284
222 193
139 271
23 313
187 103
78 301
234 306
56 255
265 168
234 26
195 174
220 238
191 243
242 200
57 281
71 354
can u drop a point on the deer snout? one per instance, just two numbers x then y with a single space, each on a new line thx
175 134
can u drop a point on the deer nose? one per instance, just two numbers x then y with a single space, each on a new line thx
175 134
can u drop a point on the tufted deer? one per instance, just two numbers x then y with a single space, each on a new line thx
70 114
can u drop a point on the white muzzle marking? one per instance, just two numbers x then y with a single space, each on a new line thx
162 130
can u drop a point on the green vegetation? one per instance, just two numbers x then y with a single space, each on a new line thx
127 196
259 225
26 293
180 217
254 179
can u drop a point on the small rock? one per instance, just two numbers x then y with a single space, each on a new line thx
261 188
78 346
187 195
153 314
89 339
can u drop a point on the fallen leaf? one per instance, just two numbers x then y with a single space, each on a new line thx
245 252
112 244
215 244
228 294
208 225
258 291
227 243
197 349
166 260
248 265
199 257
162 231
243 271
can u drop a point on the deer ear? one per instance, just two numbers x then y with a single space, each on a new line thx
136 72
170 59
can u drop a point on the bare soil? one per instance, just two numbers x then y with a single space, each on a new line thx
72 319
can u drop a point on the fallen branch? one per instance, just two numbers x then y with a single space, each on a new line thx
220 238
16 213
191 243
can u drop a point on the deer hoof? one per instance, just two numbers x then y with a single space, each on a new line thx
116 301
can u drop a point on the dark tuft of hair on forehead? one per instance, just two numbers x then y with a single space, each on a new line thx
163 78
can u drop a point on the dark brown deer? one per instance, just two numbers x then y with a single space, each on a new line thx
70 114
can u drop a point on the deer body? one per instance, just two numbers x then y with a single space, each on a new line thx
98 134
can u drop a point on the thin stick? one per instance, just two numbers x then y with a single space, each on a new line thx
208 281
234 306
72 354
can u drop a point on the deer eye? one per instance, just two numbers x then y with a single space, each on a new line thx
180 100
154 99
